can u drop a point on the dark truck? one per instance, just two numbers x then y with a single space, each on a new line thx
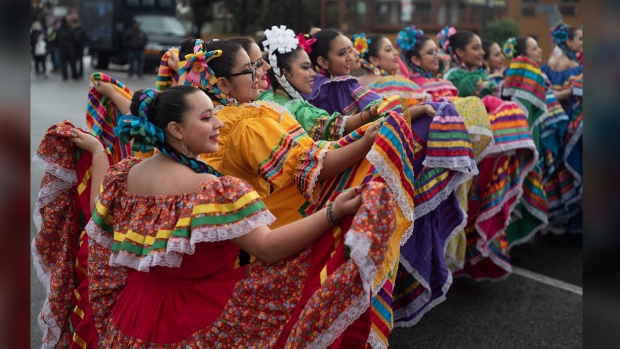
104 22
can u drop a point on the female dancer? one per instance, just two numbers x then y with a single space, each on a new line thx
466 73
421 55
493 61
563 70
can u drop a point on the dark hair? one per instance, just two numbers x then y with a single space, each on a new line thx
521 47
373 47
486 46
167 106
323 44
461 39
285 62
186 47
245 41
416 50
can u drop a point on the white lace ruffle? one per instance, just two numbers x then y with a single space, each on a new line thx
65 180
568 149
384 280
417 305
528 96
359 246
536 229
423 96
315 178
456 180
269 105
341 131
393 183
463 164
375 341
176 247
46 320
426 295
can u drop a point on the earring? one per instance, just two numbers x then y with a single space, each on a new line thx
185 149
231 101
376 71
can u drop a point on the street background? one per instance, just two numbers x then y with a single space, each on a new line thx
518 312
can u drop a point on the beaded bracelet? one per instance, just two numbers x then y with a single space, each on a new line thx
330 215
101 150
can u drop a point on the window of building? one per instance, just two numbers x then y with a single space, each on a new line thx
569 1
165 3
528 11
423 6
568 10
133 2
530 1
148 3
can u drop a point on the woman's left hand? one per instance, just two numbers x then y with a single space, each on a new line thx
85 141
429 110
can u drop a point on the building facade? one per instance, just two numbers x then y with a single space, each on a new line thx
391 16
536 18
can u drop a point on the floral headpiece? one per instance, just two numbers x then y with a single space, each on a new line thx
444 42
360 43
560 35
199 74
283 40
510 48
305 43
408 39
444 38
144 133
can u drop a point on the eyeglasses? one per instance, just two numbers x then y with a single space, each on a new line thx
432 52
259 63
247 71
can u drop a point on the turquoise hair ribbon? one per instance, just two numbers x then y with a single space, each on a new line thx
144 133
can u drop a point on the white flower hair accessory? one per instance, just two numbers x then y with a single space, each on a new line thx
281 40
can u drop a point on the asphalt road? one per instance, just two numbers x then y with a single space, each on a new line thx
518 312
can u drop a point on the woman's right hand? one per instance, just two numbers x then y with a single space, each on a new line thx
85 141
105 88
371 133
347 203
173 60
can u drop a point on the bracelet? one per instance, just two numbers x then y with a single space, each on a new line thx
103 150
330 215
